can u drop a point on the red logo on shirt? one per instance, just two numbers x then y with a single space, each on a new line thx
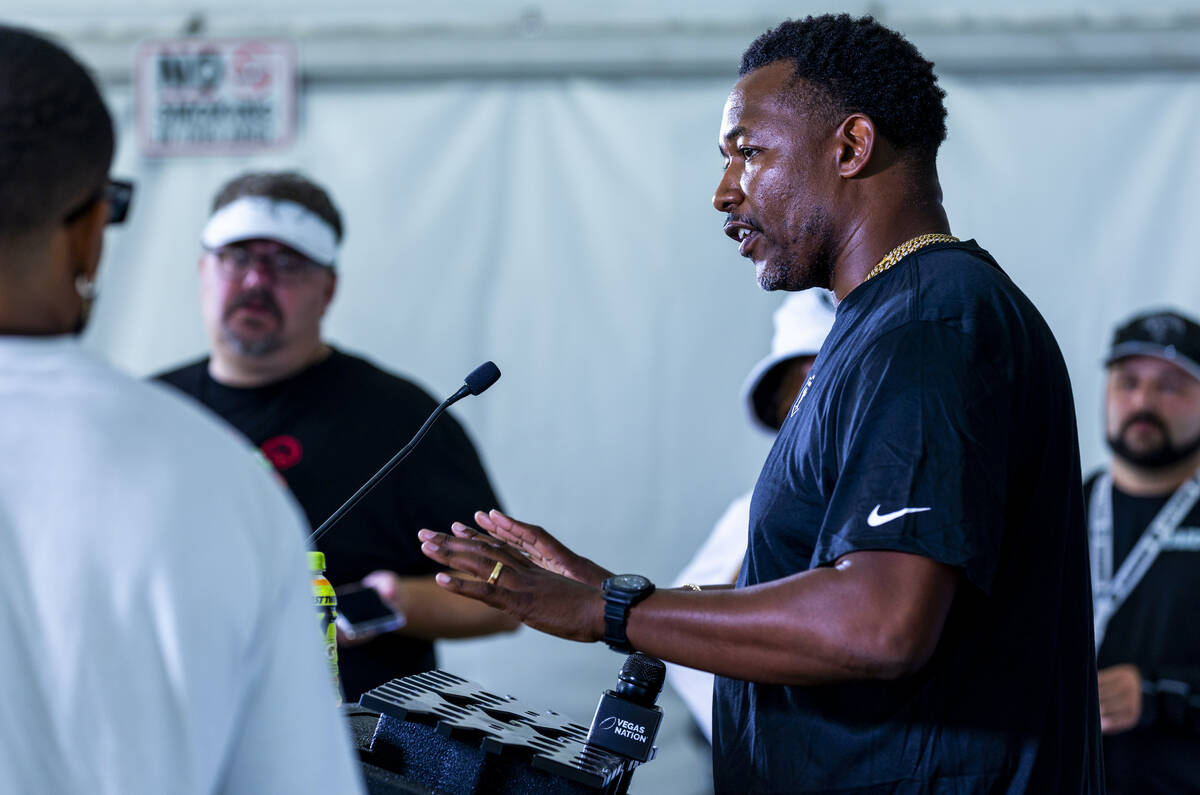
284 452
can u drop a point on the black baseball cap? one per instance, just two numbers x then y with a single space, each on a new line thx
1165 335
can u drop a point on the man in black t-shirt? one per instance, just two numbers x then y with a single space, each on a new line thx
328 421
1144 528
913 615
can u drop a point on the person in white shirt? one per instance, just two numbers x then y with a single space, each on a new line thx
159 633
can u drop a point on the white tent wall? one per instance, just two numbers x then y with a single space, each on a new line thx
557 220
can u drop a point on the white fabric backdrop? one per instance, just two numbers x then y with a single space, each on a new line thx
563 229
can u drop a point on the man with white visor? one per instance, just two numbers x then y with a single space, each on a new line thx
1144 528
802 322
328 420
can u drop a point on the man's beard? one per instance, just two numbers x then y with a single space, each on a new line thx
1162 456
793 271
259 345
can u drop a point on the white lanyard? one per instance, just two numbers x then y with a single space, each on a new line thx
1108 591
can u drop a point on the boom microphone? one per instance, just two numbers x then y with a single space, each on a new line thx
476 383
483 376
626 720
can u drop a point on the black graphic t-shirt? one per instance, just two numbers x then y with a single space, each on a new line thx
938 421
327 430
1155 629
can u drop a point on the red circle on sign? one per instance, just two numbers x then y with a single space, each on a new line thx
284 452
250 70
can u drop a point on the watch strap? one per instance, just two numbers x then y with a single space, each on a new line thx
617 604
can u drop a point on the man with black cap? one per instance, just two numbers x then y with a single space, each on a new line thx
1144 529
327 420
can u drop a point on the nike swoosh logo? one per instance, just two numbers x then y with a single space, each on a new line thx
876 518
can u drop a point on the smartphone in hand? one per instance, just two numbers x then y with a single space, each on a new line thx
361 613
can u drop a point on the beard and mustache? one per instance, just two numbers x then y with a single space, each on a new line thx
805 260
1161 456
258 345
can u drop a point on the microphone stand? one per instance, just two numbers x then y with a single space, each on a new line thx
479 380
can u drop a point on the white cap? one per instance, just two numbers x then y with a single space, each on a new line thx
802 322
261 217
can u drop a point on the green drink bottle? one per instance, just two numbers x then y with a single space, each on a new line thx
326 603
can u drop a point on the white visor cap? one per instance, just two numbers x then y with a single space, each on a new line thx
802 322
261 217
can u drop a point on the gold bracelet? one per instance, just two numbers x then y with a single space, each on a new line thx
691 586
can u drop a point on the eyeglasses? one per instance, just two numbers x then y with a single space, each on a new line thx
285 266
118 193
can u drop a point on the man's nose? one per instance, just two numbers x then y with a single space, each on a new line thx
729 193
258 272
1144 396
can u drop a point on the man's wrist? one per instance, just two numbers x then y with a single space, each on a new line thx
1150 703
622 592
596 611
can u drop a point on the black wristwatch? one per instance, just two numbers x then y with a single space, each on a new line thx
621 592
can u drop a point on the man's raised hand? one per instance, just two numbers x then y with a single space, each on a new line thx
501 576
537 545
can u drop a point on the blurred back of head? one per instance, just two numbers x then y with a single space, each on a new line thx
56 135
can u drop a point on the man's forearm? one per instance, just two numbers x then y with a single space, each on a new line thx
432 612
874 615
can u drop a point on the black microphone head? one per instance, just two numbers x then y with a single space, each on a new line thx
482 377
641 678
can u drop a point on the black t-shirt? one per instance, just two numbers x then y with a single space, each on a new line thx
327 430
1154 629
938 421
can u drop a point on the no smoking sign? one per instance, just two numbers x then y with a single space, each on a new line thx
215 96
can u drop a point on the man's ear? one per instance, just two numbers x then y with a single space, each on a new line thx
85 239
856 143
330 290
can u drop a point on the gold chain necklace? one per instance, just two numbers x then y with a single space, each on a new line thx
907 247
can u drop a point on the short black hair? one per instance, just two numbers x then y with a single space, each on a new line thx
56 135
283 186
861 67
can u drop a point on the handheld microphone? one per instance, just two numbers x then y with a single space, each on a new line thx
476 383
626 720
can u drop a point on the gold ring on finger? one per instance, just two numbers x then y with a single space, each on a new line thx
495 575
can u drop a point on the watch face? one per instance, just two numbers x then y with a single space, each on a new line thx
628 582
